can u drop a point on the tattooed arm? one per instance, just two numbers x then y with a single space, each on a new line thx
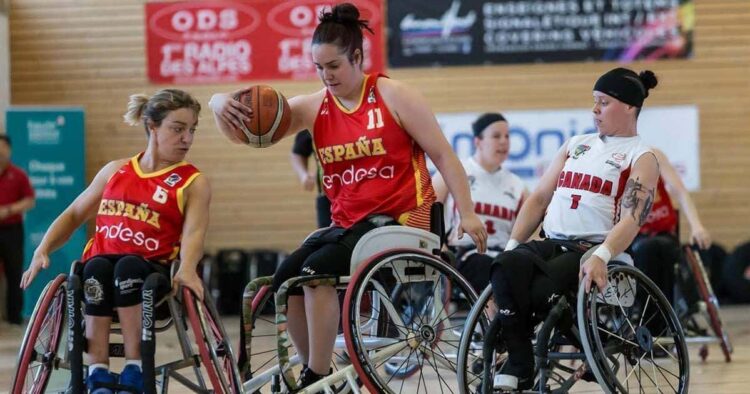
635 206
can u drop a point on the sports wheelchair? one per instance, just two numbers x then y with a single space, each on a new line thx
626 338
403 309
698 310
58 318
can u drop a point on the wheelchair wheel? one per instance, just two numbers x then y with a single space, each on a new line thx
470 358
213 344
631 336
401 295
262 352
38 355
711 302
396 318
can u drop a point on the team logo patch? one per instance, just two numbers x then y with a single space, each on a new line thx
93 291
580 150
616 160
172 179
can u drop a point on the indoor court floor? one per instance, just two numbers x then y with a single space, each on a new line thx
711 376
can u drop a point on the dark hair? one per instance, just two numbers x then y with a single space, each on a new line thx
154 109
627 86
343 28
4 137
485 120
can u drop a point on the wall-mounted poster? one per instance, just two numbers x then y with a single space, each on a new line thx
460 32
224 41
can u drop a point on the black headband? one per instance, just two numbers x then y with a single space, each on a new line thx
485 120
624 85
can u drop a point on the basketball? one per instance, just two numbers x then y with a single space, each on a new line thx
271 116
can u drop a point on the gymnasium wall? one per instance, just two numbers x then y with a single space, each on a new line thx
92 53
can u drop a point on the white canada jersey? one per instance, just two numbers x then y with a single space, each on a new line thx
497 198
586 202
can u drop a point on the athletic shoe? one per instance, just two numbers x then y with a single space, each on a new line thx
97 378
131 377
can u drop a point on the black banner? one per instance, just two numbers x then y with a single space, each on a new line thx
460 32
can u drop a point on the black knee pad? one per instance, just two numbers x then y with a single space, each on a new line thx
98 294
129 275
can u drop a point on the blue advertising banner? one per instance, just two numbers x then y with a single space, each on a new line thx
48 143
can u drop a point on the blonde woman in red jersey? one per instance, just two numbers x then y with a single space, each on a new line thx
370 135
149 210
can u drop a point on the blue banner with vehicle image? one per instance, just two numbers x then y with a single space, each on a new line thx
48 143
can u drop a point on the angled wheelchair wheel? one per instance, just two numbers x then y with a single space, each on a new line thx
403 315
470 357
710 301
258 355
38 356
213 344
632 338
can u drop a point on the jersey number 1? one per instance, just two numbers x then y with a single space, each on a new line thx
574 201
374 119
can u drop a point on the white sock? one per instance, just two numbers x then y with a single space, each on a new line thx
92 367
138 363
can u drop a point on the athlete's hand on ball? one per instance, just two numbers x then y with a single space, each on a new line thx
190 279
39 262
230 110
594 269
701 237
472 225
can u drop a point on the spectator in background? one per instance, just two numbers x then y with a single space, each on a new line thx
300 157
16 197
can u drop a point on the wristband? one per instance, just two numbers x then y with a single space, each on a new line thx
512 244
603 253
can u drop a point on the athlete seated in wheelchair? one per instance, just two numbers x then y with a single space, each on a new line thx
597 191
149 210
397 317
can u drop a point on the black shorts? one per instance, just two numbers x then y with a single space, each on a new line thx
326 252
111 281
476 269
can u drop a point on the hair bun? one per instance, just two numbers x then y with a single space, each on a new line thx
345 13
649 79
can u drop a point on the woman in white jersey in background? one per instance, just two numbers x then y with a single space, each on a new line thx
598 190
497 195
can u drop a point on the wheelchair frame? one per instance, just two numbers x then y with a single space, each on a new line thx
559 329
201 316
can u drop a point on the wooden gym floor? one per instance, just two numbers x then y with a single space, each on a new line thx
711 376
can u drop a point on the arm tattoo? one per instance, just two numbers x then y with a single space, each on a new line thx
636 196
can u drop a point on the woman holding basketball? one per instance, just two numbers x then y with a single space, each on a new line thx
149 209
370 135
598 189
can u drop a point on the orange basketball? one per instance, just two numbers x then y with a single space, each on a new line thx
271 116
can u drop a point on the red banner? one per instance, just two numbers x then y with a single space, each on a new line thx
224 41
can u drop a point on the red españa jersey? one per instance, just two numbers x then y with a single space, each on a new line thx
142 213
371 165
663 216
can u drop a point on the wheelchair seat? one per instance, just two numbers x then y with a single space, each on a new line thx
389 238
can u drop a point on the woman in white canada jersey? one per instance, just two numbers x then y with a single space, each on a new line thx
497 195
598 190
